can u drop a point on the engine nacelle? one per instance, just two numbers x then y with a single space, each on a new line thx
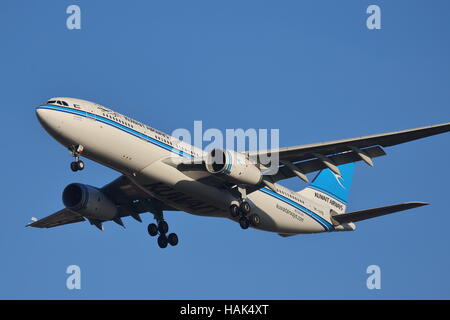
89 202
233 166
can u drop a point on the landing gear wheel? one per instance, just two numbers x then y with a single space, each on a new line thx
172 239
234 210
163 227
74 166
255 220
162 241
244 223
152 229
245 208
80 165
76 151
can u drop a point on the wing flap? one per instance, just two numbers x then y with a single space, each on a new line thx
376 212
315 165
62 217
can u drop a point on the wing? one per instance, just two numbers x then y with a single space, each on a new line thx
300 160
304 152
124 193
62 217
130 199
376 212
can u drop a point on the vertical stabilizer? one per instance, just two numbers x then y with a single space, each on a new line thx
331 189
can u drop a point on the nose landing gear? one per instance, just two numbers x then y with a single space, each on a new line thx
76 151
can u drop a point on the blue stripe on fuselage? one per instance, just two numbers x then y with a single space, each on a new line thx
325 224
118 126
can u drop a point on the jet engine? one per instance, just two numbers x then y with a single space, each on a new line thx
233 166
89 202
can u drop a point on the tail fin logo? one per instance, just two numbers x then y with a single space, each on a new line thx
338 177
336 185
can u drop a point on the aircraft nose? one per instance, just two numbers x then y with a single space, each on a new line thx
53 122
40 114
48 119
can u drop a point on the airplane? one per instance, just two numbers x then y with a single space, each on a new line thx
161 173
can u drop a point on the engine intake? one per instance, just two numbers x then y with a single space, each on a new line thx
89 202
217 161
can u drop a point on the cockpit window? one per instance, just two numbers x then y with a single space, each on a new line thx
60 102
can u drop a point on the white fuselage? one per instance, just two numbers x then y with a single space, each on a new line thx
137 151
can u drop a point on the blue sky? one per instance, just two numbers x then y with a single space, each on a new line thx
309 68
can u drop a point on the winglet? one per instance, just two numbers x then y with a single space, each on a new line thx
33 220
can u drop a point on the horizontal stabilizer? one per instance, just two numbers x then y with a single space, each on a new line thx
376 212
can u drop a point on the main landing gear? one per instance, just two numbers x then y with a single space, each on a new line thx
162 228
242 212
76 151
